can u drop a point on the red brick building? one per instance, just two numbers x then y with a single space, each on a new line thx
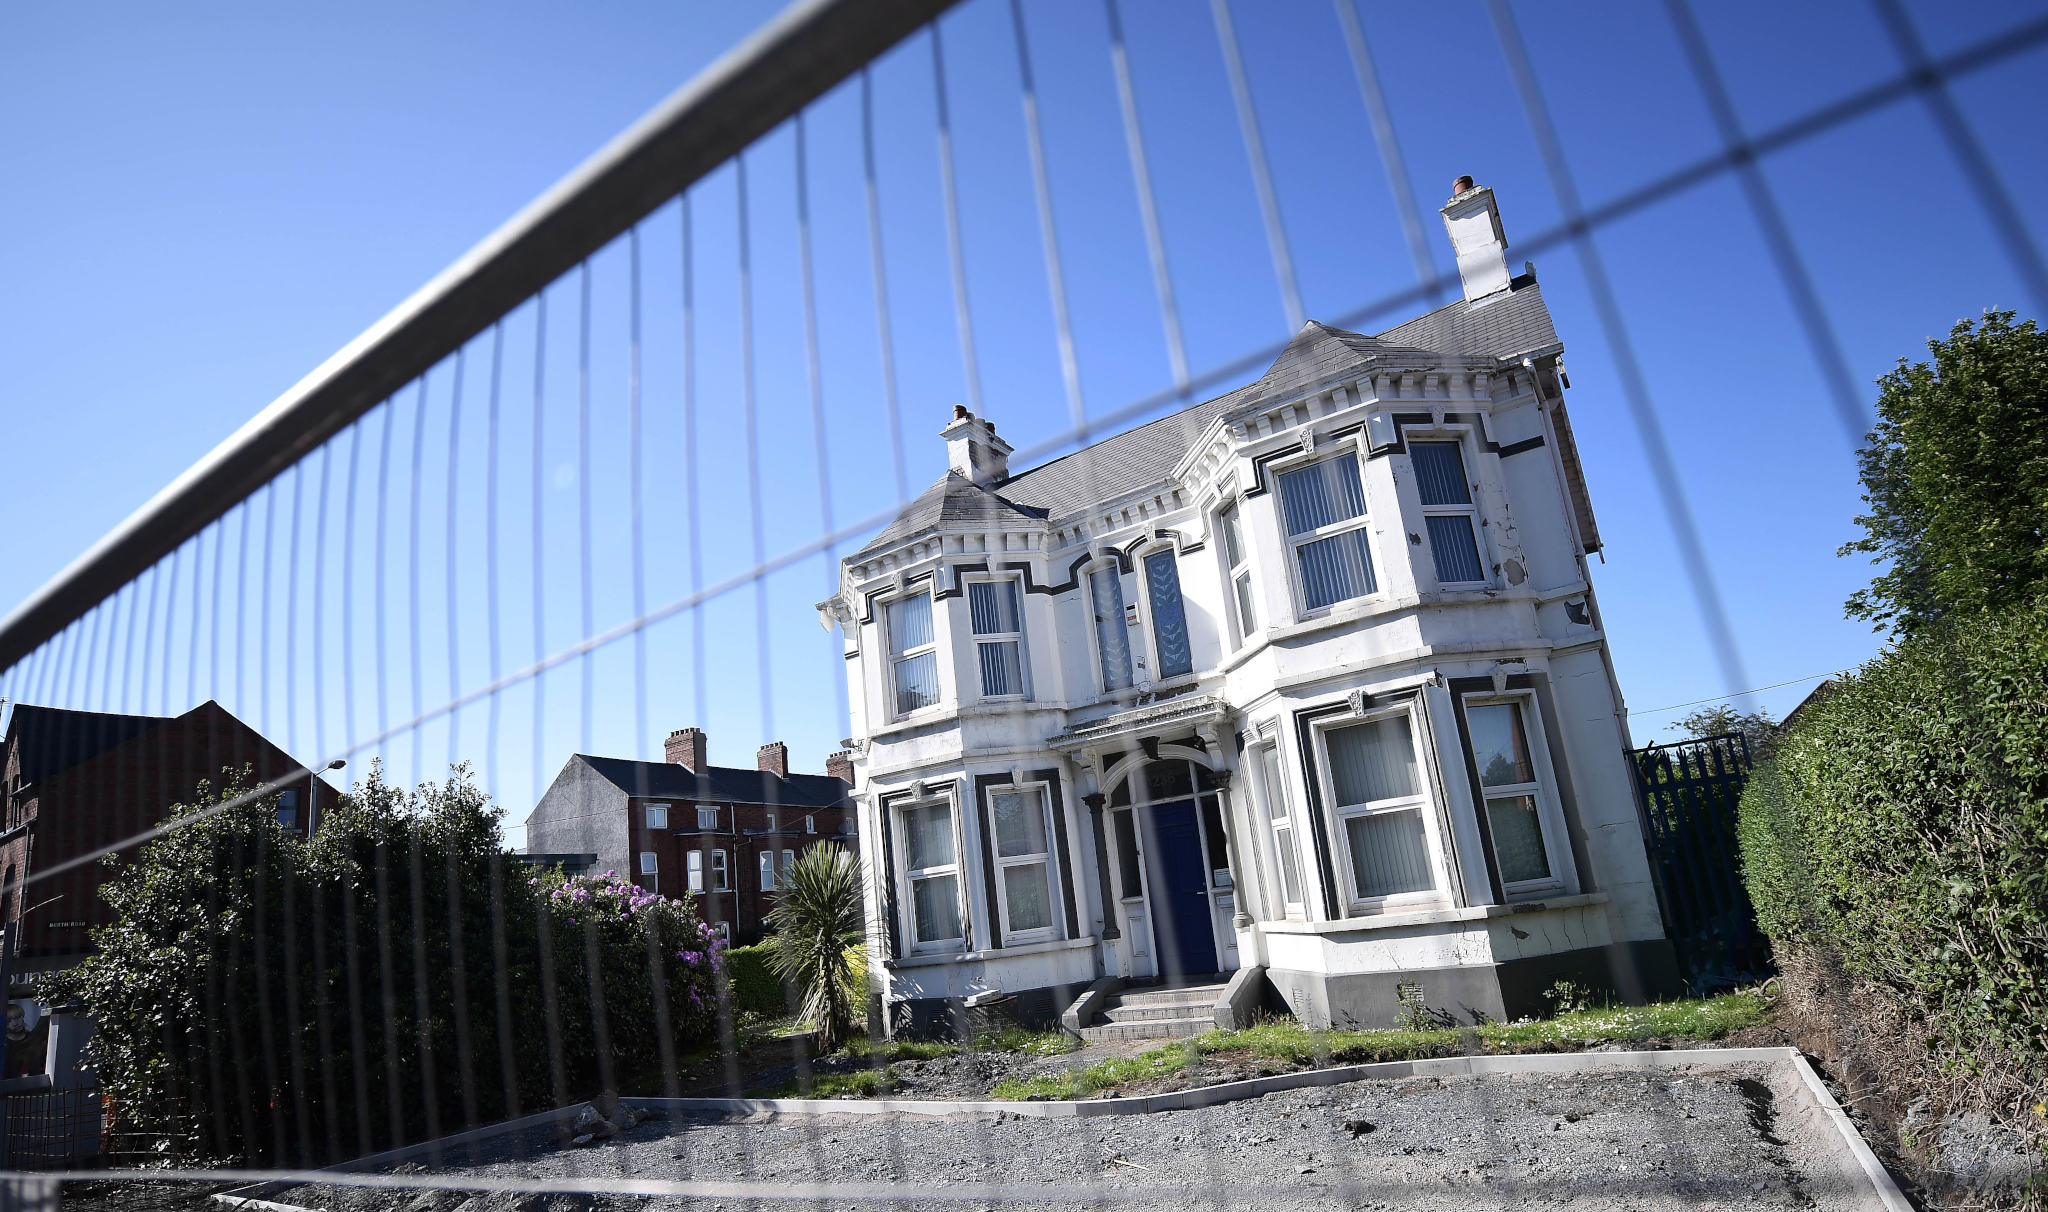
78 781
684 827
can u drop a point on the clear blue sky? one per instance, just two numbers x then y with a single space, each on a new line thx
203 202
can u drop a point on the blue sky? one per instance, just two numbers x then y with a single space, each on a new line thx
205 202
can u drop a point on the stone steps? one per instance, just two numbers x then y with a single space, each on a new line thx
1156 1012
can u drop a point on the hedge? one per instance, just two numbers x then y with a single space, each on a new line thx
1904 829
752 985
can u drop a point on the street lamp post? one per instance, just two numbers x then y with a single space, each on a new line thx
313 789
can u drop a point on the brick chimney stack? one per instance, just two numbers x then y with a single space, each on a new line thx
688 748
840 765
773 758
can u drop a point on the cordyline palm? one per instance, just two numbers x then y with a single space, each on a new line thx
816 938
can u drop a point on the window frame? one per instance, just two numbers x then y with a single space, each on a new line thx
893 658
1469 510
908 876
701 824
647 819
1549 806
1141 566
1111 565
979 638
1422 803
721 870
693 870
765 862
810 824
1267 793
1052 929
1295 542
1240 603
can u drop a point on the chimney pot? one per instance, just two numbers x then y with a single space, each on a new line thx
688 748
959 412
1463 185
773 758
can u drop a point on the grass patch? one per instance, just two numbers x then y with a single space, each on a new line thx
1013 1038
897 1049
1286 1040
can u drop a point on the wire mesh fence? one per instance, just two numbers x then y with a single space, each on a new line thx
600 479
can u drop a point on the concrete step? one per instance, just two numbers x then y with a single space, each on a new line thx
1177 995
1124 1012
1150 1028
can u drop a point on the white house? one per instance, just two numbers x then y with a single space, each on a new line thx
1305 683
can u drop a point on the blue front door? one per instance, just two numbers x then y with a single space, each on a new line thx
1179 890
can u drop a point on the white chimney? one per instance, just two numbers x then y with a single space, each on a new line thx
1476 238
973 449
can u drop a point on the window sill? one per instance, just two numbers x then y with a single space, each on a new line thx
935 958
1428 917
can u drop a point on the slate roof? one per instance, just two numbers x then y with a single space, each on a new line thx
721 784
1507 326
52 740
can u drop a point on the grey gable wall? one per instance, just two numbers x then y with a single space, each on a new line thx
582 813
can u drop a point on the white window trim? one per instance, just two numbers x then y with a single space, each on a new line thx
1469 510
788 860
765 861
1549 809
1267 795
1241 629
1023 694
1015 938
1421 802
702 812
906 893
1295 542
891 658
810 824
650 819
693 862
721 873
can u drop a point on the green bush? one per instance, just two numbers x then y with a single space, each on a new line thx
261 998
752 984
1904 829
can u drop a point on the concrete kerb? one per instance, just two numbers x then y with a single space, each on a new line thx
256 1195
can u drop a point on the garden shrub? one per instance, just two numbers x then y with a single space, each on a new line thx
752 984
262 998
1903 830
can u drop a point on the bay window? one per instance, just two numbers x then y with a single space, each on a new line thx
1239 565
1448 512
1324 508
1017 824
1169 615
1112 641
931 868
1272 793
992 608
913 653
1512 788
1377 793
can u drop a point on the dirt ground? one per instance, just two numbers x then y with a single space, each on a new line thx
1603 1141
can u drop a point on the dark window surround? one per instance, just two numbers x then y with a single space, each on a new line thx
1553 741
1055 804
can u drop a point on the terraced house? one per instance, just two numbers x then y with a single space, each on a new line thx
1305 683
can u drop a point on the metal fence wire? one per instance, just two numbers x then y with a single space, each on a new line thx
591 483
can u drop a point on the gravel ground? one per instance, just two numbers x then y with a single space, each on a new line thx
1702 1138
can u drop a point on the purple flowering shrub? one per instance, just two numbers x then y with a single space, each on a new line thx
659 960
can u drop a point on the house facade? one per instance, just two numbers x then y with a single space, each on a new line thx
721 835
78 781
1308 680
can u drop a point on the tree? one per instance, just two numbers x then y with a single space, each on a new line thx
815 939
262 997
1955 479
1756 727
